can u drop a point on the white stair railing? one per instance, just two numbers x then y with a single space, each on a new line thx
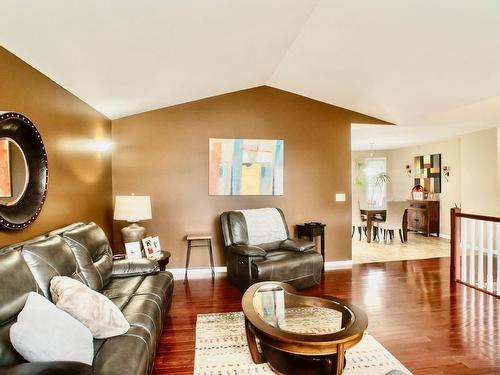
475 249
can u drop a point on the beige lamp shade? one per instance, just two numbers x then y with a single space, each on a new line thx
132 208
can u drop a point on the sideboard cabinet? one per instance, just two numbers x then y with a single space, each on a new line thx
423 216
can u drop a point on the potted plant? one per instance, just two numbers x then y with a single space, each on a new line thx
358 180
380 180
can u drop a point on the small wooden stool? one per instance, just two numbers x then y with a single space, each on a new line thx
207 238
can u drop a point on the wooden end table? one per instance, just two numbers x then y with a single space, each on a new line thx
163 259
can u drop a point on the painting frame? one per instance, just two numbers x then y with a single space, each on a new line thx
246 167
427 172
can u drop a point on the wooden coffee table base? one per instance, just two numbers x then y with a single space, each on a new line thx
289 363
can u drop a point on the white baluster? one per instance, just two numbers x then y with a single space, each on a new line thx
498 256
480 275
489 261
472 252
463 249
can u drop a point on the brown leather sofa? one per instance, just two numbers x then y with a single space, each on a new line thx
82 251
288 260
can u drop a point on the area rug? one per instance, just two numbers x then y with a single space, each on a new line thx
221 349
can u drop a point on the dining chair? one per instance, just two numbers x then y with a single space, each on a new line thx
357 220
393 220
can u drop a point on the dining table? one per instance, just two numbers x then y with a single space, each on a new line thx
374 213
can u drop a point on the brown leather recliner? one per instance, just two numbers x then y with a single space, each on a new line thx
279 258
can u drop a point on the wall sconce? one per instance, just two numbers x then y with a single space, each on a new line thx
101 145
87 145
408 170
446 171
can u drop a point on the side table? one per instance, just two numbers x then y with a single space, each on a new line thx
163 259
313 230
202 240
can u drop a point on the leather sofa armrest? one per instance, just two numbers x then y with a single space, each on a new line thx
134 267
297 244
46 368
247 250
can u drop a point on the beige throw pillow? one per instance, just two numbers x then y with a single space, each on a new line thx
94 310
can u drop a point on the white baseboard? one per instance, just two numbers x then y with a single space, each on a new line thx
445 236
338 264
206 272
203 272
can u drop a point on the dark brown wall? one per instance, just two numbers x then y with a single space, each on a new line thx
79 180
164 153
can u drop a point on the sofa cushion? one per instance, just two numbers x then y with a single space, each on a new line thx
158 287
60 231
154 291
149 298
160 284
122 287
17 282
45 333
124 354
8 355
19 245
145 315
93 254
120 302
50 257
91 308
264 225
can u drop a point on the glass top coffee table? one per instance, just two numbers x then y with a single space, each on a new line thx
298 334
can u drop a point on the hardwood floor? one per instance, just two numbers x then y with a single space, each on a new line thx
432 327
417 247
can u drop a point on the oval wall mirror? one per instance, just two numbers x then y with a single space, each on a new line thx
23 171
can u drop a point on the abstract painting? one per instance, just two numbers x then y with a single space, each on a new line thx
245 167
428 172
5 180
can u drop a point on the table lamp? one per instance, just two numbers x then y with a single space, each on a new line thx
132 208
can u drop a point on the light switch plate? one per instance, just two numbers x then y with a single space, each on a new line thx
340 197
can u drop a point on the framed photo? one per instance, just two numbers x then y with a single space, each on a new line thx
418 195
133 250
156 245
147 244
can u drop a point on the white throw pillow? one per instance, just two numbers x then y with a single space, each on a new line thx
44 333
94 310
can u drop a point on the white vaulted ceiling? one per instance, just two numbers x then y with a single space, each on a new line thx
129 56
431 67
